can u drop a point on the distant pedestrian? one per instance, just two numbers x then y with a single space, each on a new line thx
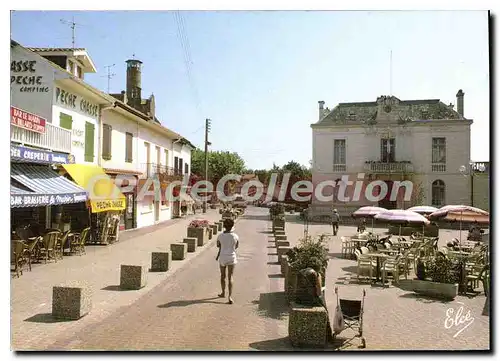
362 225
227 242
335 222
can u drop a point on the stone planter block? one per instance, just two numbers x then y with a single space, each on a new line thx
191 244
280 237
219 226
209 232
215 229
71 301
428 288
179 251
161 261
307 326
291 283
282 251
282 244
132 277
199 233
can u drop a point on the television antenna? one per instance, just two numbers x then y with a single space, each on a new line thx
109 75
72 25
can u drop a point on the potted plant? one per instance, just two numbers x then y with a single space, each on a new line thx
198 229
309 253
439 277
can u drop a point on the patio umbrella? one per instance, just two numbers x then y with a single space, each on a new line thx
423 209
368 212
400 216
461 213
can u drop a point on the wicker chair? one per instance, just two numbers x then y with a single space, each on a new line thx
49 245
78 243
19 258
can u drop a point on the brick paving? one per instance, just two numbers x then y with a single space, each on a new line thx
32 327
179 310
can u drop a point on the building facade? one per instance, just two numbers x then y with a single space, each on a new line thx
391 140
60 117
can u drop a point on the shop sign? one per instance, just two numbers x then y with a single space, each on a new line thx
23 75
74 102
78 138
40 156
108 204
40 200
25 120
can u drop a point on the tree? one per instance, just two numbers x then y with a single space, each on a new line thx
219 164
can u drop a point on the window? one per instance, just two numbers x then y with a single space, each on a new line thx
89 141
186 168
65 121
179 168
176 165
128 147
438 193
388 150
79 72
339 156
166 157
438 154
106 141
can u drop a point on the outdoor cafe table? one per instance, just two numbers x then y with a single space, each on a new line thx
378 256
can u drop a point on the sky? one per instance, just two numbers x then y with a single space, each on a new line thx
259 75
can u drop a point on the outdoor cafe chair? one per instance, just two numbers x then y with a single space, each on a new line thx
19 259
78 242
364 264
48 246
32 250
391 266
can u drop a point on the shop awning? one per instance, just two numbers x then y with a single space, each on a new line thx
38 185
104 195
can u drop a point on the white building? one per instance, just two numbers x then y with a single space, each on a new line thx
423 141
118 132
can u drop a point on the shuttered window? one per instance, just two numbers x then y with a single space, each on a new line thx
176 165
65 121
89 141
186 168
128 147
106 141
179 167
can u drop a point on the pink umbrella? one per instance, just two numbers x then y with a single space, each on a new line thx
400 216
423 209
461 213
368 212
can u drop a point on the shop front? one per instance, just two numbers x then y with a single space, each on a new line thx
128 218
105 201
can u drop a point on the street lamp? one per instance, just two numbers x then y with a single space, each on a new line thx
469 171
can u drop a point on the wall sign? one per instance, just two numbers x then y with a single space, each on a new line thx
39 200
25 120
39 156
25 78
77 103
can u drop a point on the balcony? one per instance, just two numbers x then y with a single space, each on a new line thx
438 167
388 167
164 173
55 138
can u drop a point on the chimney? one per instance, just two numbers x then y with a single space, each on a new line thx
321 109
460 102
134 83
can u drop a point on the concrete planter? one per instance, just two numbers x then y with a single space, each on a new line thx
307 326
210 233
219 226
446 291
198 233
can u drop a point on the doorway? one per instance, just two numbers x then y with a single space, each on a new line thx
387 203
130 211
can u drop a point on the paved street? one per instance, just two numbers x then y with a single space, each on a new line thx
180 310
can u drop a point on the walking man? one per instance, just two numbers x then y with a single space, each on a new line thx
335 222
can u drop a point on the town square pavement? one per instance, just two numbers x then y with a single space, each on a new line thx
179 309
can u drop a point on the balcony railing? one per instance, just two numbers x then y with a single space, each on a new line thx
55 138
163 172
391 167
438 167
339 168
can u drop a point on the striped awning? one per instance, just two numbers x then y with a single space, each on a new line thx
38 185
